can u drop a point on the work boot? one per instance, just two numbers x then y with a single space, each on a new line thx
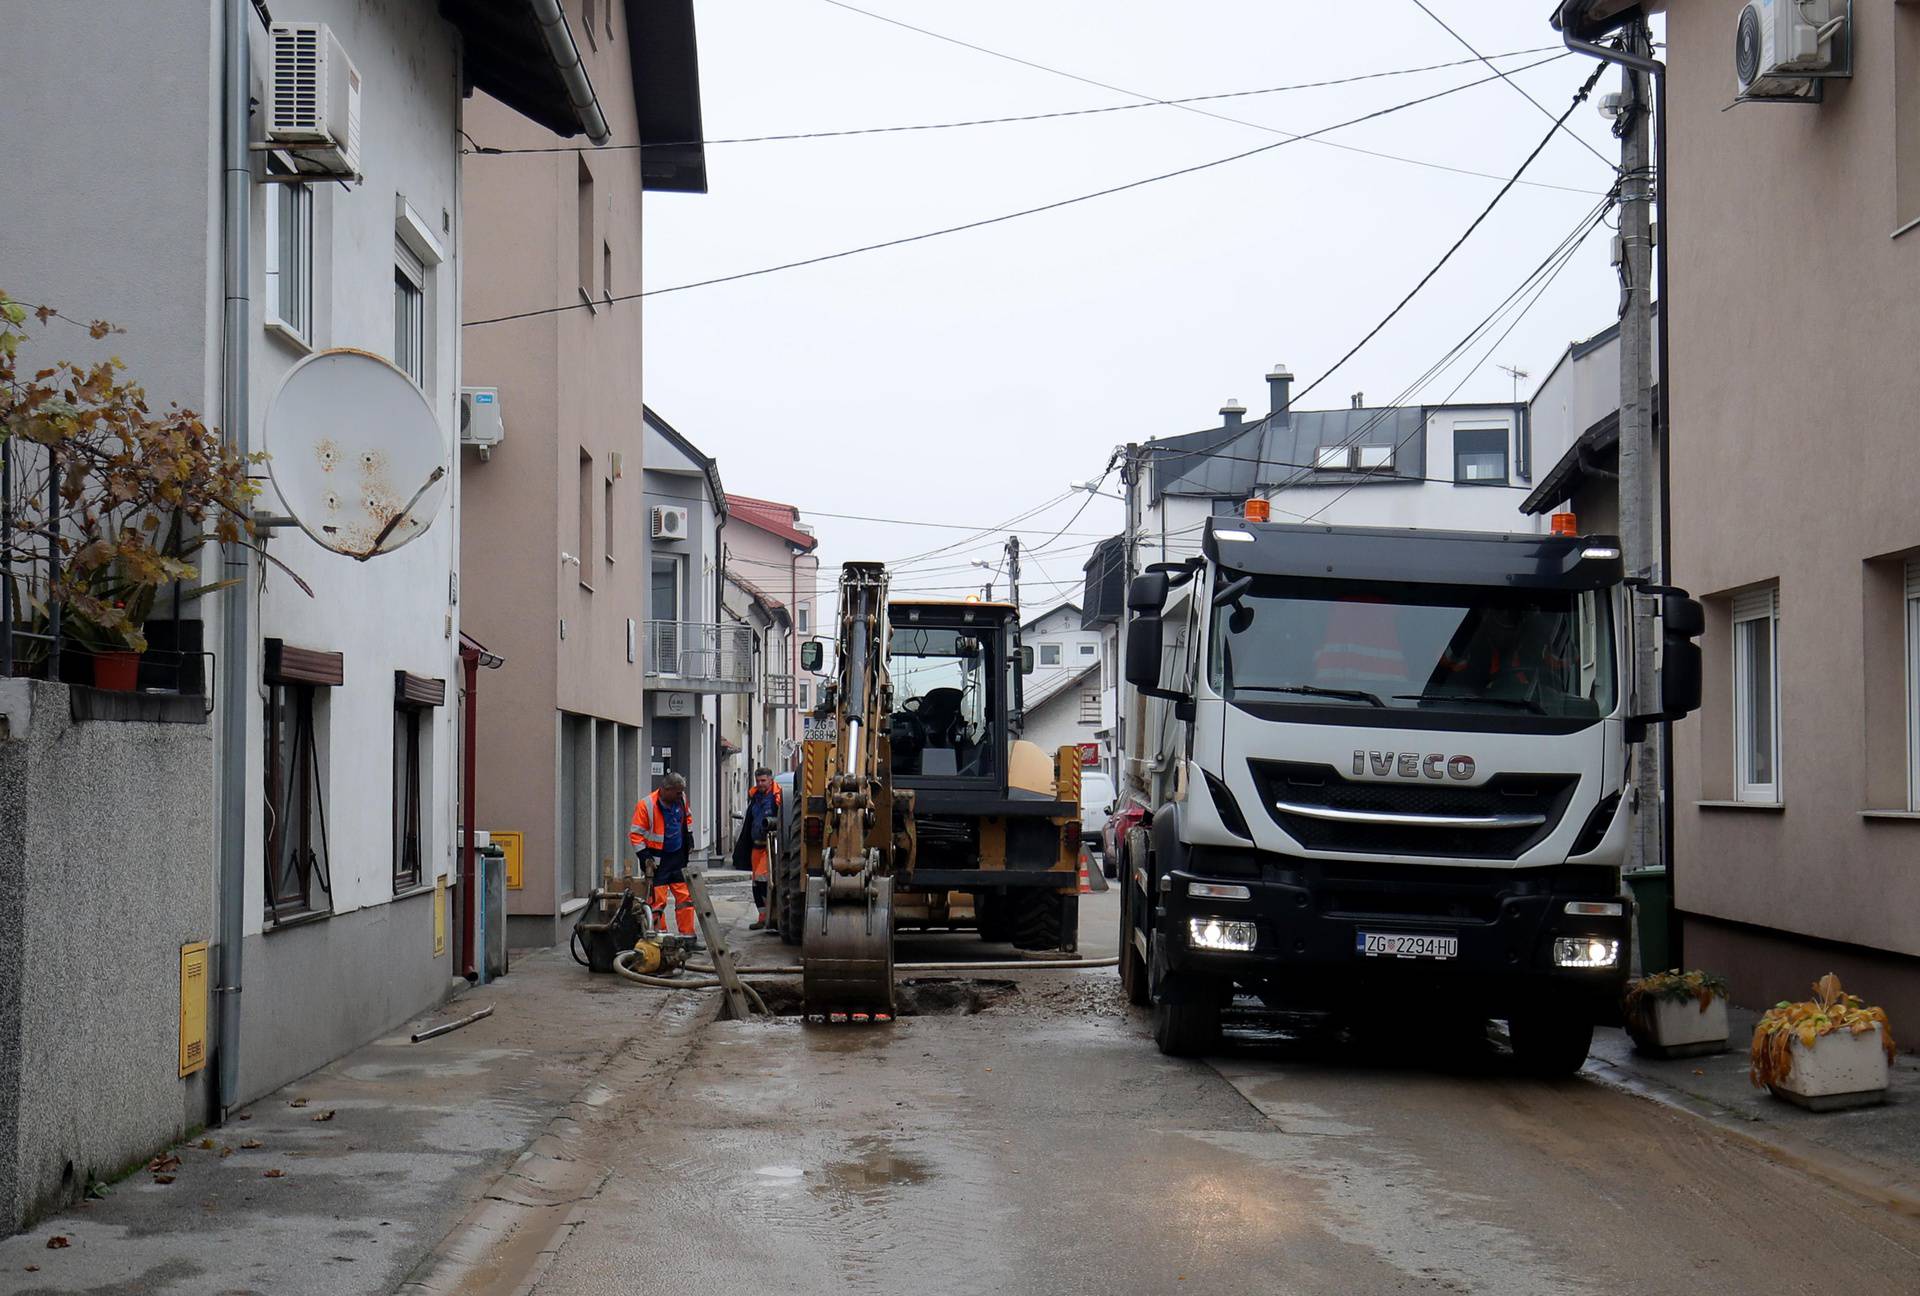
758 924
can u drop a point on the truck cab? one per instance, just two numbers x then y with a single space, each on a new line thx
1392 764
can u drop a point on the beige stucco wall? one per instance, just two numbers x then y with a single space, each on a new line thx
1796 322
768 561
568 382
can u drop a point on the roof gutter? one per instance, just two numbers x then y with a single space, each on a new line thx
573 72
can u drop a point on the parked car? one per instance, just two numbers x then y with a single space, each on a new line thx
1124 817
1096 800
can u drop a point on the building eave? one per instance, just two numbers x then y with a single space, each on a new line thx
522 52
666 87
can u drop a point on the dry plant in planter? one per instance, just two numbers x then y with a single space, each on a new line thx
1787 1055
1677 1014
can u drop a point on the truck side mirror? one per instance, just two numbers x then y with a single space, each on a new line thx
1682 621
1143 644
1147 593
1026 659
812 653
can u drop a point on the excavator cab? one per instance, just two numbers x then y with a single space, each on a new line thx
950 685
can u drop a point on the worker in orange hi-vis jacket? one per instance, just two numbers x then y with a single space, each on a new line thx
762 822
663 833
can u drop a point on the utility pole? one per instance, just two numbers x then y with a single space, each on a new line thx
1637 503
1013 571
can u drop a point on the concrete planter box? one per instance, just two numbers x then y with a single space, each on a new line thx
1840 1070
1674 1028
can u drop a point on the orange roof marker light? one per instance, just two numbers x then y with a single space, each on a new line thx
1565 524
1256 510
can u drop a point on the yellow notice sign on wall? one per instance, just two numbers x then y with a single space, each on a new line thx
510 844
193 1007
439 916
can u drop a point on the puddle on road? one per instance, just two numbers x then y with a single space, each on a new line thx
874 1168
913 996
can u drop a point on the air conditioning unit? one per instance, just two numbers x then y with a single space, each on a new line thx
669 524
313 100
1782 47
480 424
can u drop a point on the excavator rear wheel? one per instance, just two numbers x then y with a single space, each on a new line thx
790 899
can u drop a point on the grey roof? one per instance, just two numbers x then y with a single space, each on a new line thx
1232 463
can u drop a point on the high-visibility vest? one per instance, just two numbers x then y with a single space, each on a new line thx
649 831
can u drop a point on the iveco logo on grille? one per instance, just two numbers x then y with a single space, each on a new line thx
1413 765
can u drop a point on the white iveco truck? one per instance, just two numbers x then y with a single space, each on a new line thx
1394 765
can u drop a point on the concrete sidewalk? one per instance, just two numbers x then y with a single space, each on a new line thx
347 1181
1874 1151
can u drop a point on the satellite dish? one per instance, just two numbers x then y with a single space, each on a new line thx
356 452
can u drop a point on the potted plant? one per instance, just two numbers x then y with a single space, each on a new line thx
112 499
1677 1014
1823 1053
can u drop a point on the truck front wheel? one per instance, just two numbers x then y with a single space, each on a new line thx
1186 1009
1548 1043
1133 968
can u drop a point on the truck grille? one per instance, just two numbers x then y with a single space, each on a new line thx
1535 801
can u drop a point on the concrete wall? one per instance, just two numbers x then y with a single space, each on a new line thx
674 480
769 562
106 868
570 385
1797 471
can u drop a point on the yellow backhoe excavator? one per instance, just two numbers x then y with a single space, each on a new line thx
923 808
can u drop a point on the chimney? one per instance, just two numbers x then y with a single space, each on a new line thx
1233 412
1359 400
1280 391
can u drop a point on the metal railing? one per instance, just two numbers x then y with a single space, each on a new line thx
777 690
699 656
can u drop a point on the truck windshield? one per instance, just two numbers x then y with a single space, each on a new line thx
1428 648
943 681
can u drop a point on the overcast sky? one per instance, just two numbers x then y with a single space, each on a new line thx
966 379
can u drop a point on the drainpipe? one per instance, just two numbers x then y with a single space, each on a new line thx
573 72
719 626
470 726
236 638
1663 422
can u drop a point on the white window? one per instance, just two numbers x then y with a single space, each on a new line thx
802 620
410 313
1913 683
1090 708
1050 654
1373 456
1479 455
1088 650
289 259
1756 695
805 705
1333 458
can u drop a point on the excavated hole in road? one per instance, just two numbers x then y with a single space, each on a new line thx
912 996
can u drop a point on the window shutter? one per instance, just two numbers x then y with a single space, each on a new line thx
1913 578
1754 604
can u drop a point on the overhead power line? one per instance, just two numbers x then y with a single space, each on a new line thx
1007 216
1155 99
1518 89
482 150
1579 97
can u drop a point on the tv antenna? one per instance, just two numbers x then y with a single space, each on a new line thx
1516 375
356 452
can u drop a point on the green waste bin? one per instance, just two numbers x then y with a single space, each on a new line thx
1652 899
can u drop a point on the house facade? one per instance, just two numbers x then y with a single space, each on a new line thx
1797 784
694 655
1066 700
559 232
341 806
753 724
770 546
1577 405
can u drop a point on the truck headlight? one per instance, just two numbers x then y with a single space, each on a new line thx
1216 934
1585 952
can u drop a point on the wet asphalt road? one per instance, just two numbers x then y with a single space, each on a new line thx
1043 1146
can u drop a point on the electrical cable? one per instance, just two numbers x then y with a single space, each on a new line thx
1155 99
1520 90
1579 97
482 150
1002 217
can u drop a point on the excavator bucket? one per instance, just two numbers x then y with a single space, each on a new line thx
847 953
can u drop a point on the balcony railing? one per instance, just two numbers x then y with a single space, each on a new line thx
777 690
699 657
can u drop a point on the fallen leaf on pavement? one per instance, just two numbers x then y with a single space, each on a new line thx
252 1143
273 1174
33 1268
1698 1071
298 1102
58 1242
163 1163
226 1152
326 1115
246 1115
163 1178
206 1145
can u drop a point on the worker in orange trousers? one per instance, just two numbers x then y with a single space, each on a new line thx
662 834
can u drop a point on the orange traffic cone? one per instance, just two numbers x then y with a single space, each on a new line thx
1086 885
